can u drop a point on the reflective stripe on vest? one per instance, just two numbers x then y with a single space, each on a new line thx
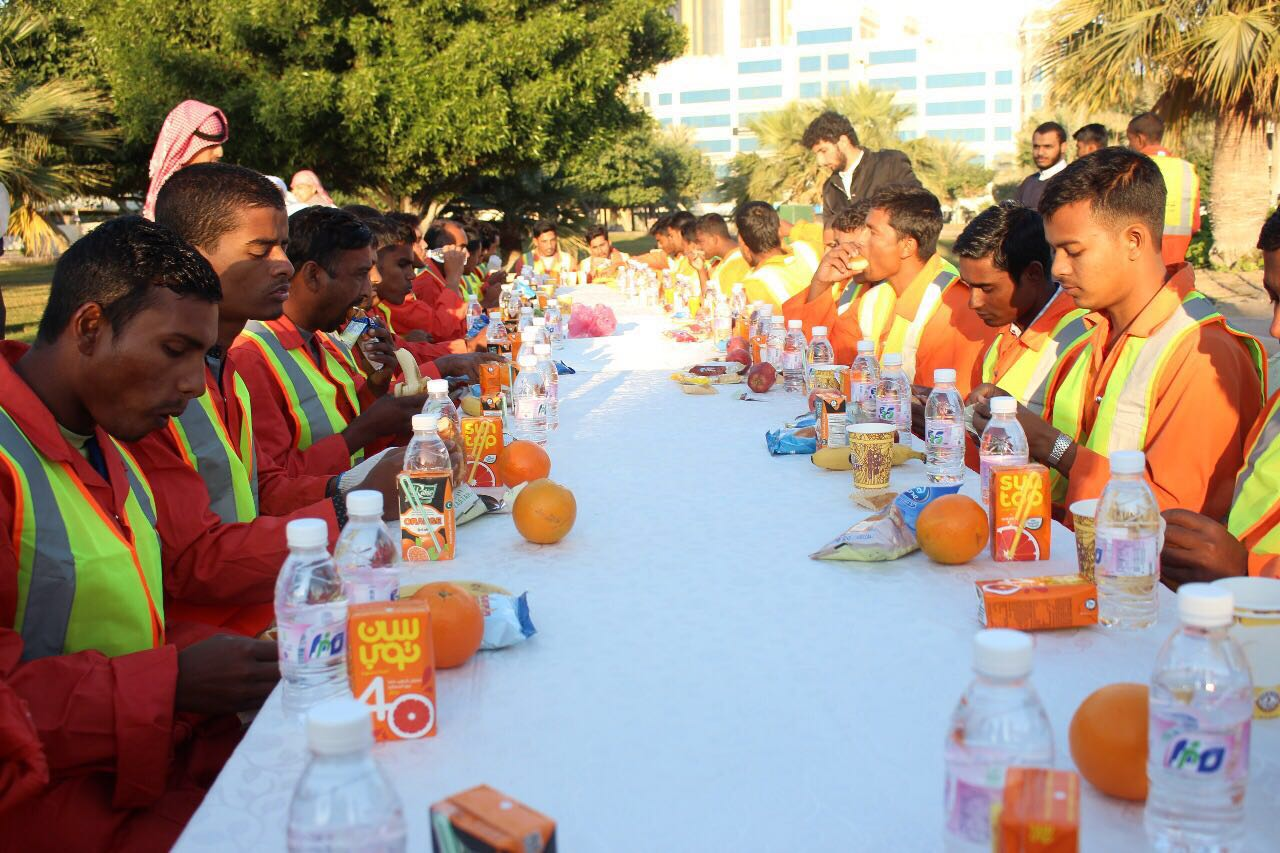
1182 186
1027 379
540 267
230 473
774 281
875 313
312 396
929 302
81 584
1258 487
804 252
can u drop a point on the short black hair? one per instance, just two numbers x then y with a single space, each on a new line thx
488 234
542 226
680 220
757 224
1118 184
852 217
913 212
318 234
410 219
199 202
383 232
118 265
363 211
437 235
689 232
828 127
713 224
595 231
1011 235
661 224
1095 133
401 232
1269 237
1051 127
1148 124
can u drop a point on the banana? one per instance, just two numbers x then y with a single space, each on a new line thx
833 459
471 407
902 453
413 382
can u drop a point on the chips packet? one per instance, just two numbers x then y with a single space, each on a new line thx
506 616
885 535
794 438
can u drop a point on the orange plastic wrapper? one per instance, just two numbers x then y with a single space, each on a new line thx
832 426
1040 812
1037 604
482 438
1020 505
483 820
391 664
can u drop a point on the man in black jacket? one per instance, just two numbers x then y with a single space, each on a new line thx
855 172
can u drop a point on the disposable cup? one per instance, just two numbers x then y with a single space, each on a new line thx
871 452
1082 513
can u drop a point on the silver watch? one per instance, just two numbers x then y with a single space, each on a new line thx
1060 446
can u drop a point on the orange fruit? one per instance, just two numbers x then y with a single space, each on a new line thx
457 624
544 512
520 462
953 529
1108 738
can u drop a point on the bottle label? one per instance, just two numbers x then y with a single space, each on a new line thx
969 808
791 360
887 412
943 434
1126 558
378 585
426 517
319 640
1190 752
986 463
531 408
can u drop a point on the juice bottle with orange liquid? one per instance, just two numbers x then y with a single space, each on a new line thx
426 495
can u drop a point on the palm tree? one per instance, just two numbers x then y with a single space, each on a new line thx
45 129
1214 58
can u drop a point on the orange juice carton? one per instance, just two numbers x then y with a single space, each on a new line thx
482 439
483 820
427 531
1040 812
829 406
391 663
1036 604
1020 504
493 376
759 345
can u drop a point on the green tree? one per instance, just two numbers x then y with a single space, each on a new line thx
1218 59
948 169
647 167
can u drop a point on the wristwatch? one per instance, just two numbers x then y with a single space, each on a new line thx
1060 446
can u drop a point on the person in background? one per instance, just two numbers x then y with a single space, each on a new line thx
856 172
546 257
1005 260
419 236
1182 186
725 266
1048 152
1202 548
1159 369
291 204
1090 138
439 286
603 260
192 133
806 233
135 712
776 274
308 190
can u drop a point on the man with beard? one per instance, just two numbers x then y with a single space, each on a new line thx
1048 150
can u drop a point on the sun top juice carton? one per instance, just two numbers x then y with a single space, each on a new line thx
391 663
1036 604
483 820
482 438
832 428
1040 812
1020 506
427 526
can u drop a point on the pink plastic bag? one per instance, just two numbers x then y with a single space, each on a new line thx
587 321
606 322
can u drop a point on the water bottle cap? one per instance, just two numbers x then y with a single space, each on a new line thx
1206 605
1128 462
528 360
819 331
539 321
1004 406
542 349
865 345
794 324
364 502
306 533
424 423
1002 653
339 726
777 321
944 374
437 386
892 359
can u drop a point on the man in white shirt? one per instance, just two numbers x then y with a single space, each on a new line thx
1048 150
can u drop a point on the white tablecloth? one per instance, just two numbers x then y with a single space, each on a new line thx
697 682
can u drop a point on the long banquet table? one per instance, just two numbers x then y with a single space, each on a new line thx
697 682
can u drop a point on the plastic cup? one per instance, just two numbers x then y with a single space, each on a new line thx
1257 630
871 452
1082 518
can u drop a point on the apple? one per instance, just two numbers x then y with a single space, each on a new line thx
738 342
760 377
739 355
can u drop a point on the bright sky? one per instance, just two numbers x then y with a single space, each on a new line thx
961 16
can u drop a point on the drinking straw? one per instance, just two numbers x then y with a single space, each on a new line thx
415 504
482 438
1024 514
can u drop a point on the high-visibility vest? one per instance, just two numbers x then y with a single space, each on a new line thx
904 337
562 261
1183 192
229 468
732 269
806 253
1258 488
312 396
781 277
83 583
875 312
1027 379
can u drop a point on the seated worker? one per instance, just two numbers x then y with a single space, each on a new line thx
419 235
1200 548
110 684
1159 369
546 257
603 260
803 239
672 252
724 265
776 274
1005 260
438 288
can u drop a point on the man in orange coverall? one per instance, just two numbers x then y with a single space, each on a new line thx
135 713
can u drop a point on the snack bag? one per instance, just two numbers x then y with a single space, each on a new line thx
482 439
887 534
391 664
483 820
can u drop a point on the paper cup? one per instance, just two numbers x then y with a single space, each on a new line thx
1257 630
1082 513
871 451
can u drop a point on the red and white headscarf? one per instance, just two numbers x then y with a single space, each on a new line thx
306 176
190 127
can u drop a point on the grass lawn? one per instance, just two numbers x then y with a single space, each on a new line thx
26 289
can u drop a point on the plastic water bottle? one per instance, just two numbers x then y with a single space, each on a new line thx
999 723
499 340
365 554
775 341
540 333
551 380
764 319
738 304
474 309
1127 545
1200 713
944 430
795 353
343 800
526 320
893 397
555 322
864 376
311 619
529 402
1003 442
